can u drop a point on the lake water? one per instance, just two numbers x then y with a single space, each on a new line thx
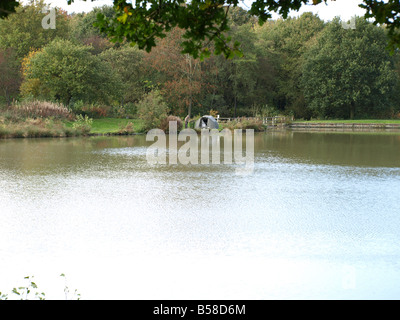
319 218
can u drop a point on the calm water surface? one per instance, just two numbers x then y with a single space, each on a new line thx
318 219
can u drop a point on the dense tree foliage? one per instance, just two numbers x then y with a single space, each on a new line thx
385 13
299 66
63 71
127 64
10 75
83 29
23 30
182 76
349 74
206 21
290 39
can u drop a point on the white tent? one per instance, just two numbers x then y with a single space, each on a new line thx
206 122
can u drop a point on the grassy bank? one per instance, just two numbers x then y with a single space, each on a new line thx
118 126
39 127
49 128
115 126
37 119
112 126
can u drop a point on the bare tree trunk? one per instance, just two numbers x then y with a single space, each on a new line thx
234 114
352 111
190 85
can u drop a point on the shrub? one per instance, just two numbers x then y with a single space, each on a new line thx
127 111
33 132
77 106
244 124
68 132
130 110
255 124
92 110
96 111
17 133
152 109
165 123
83 124
4 132
232 125
128 129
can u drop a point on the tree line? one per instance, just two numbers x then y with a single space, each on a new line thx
302 66
206 21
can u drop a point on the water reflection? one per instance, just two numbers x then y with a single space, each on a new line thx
318 209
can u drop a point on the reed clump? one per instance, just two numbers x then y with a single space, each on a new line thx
39 109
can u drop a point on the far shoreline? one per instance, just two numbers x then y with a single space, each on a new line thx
114 127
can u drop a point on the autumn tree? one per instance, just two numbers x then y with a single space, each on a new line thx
182 81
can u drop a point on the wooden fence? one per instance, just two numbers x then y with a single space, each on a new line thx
266 120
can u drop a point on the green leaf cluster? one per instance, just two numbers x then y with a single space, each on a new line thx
65 70
7 7
205 21
23 30
348 73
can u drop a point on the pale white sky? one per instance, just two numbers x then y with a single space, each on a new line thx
339 8
342 8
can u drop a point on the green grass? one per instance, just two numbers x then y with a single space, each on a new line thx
112 125
369 121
